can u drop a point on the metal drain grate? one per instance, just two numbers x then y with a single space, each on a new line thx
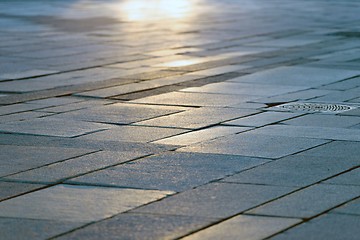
317 107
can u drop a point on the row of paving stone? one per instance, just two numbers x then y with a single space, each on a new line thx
158 132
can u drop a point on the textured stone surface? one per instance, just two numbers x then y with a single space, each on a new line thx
11 189
76 203
262 119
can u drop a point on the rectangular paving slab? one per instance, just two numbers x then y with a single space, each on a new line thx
11 189
255 145
76 203
172 171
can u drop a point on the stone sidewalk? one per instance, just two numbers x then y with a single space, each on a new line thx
181 119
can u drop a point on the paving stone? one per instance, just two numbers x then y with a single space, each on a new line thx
266 146
76 166
140 226
309 202
198 118
297 76
340 96
11 189
322 120
121 113
4 110
133 134
216 200
201 135
20 158
296 170
22 116
244 88
355 112
195 99
310 132
349 178
75 106
220 70
244 227
351 208
330 226
76 203
340 149
55 101
52 127
262 119
343 85
23 229
26 74
286 42
173 171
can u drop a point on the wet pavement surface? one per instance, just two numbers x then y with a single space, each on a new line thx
182 119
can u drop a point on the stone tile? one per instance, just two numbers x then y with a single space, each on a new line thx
255 145
195 99
173 171
330 226
56 101
26 74
220 70
198 118
341 96
343 85
121 113
11 189
285 42
296 170
22 116
22 107
244 227
262 119
350 150
19 158
133 134
297 76
309 202
310 132
76 166
140 226
244 88
23 229
201 135
52 127
76 203
355 112
349 178
351 208
75 106
322 120
216 200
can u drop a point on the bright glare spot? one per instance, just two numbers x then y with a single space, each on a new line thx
145 10
180 63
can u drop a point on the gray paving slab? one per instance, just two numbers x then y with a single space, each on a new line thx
297 76
262 119
23 229
133 134
52 127
12 189
140 226
121 113
266 146
330 226
340 149
351 208
296 170
76 203
4 110
349 178
332 133
202 135
215 200
198 118
309 202
173 171
244 227
76 166
19 158
22 116
321 120
195 99
72 106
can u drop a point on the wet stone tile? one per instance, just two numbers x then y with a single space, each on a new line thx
140 226
19 158
76 166
330 226
266 146
11 189
23 229
172 171
52 127
215 200
244 227
198 118
76 203
309 202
